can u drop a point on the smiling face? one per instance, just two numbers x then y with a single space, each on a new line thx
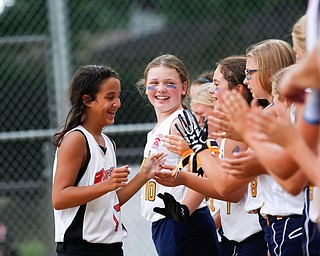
106 103
164 89
221 84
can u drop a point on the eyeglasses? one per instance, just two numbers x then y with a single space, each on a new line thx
249 72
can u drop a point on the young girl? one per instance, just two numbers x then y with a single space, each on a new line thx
88 188
281 213
188 229
248 238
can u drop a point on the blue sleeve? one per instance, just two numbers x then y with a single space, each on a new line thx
311 112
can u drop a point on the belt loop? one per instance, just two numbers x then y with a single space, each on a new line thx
268 222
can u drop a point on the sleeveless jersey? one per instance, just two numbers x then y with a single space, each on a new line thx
277 201
314 204
97 221
254 198
237 223
271 198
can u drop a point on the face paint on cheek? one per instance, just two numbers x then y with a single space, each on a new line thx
172 86
151 87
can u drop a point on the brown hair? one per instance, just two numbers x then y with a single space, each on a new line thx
169 61
87 80
232 68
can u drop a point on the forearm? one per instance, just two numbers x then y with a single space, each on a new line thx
223 183
293 184
125 193
75 196
306 158
206 187
192 200
274 158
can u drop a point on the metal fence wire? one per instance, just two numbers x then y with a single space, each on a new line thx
42 42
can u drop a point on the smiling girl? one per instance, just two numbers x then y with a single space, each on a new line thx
184 226
88 188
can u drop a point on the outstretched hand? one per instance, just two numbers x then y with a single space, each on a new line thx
173 209
152 164
192 132
176 144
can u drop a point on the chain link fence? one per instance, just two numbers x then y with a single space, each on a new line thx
43 42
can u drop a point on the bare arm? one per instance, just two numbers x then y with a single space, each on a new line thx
71 155
200 184
148 169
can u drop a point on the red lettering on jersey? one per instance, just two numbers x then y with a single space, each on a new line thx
157 141
117 208
117 223
102 175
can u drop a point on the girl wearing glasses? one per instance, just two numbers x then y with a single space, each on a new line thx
280 213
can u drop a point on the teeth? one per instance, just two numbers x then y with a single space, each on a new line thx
162 97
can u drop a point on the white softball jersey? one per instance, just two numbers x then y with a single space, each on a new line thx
100 218
313 35
236 222
151 189
277 201
254 199
314 209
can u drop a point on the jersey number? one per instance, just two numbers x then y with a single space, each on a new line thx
254 185
150 194
211 205
228 208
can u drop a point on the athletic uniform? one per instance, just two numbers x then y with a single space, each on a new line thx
283 215
280 215
310 235
196 236
310 232
240 231
93 228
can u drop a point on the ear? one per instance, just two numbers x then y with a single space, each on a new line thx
86 100
240 88
184 88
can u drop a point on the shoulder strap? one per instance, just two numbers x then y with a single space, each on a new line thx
86 162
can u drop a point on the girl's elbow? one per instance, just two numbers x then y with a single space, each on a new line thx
57 203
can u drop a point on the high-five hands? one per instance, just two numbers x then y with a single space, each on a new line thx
192 132
173 209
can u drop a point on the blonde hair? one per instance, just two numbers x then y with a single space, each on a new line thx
203 95
276 79
298 33
271 56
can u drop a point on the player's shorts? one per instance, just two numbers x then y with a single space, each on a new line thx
311 239
252 246
85 248
196 236
284 234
